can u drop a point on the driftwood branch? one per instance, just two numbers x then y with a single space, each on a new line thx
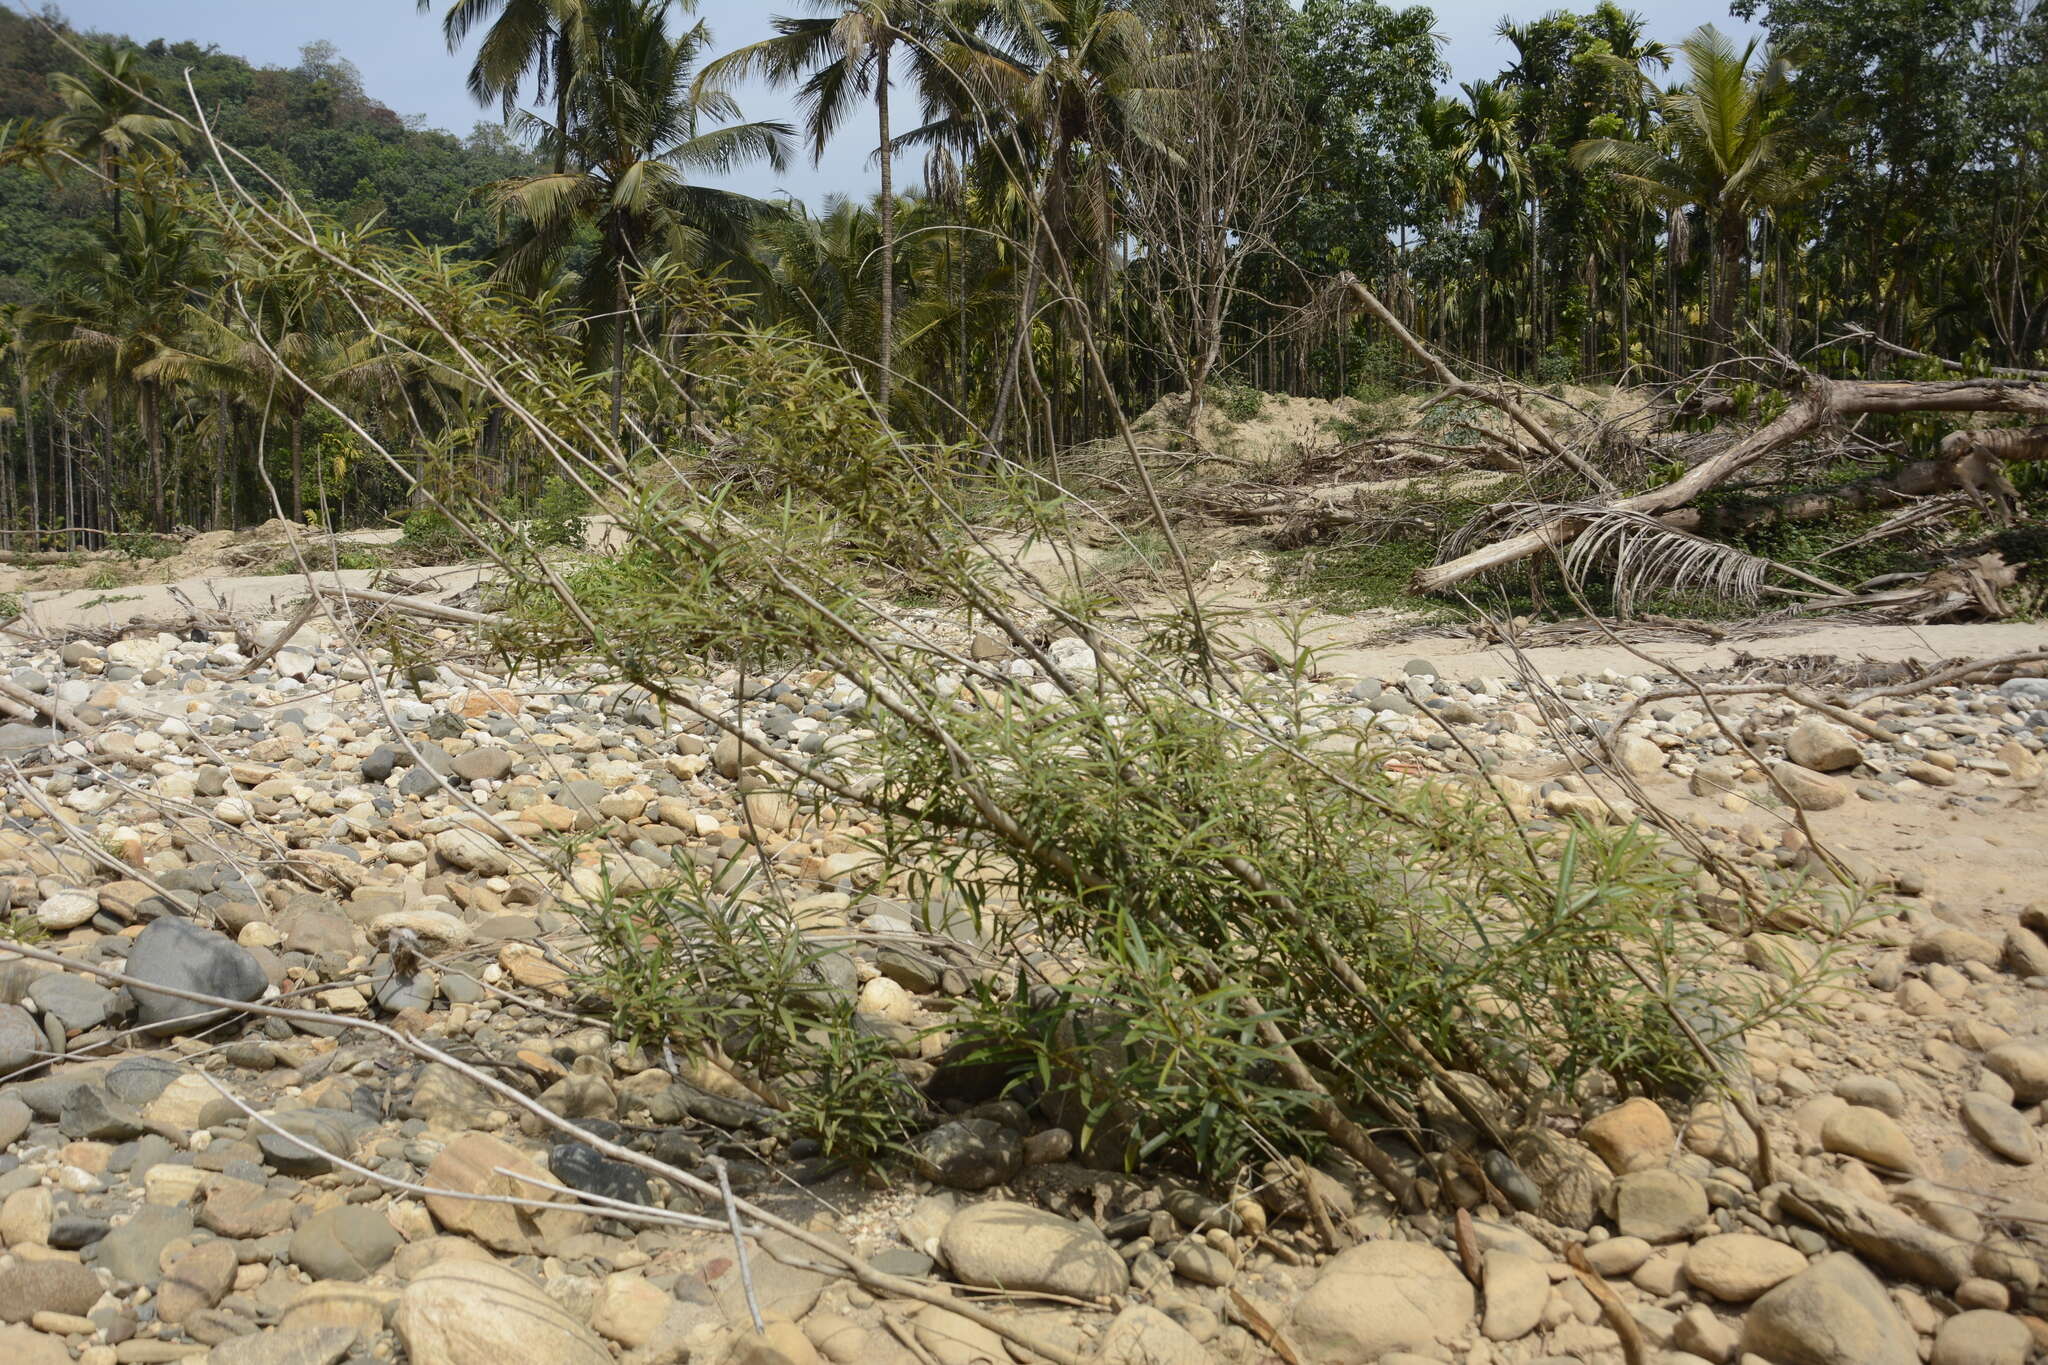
1818 400
1463 388
1857 335
60 715
412 605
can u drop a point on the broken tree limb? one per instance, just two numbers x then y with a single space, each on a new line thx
1817 400
1451 381
58 714
1854 335
414 606
2009 664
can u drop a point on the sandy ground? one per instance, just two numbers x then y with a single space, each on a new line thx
1469 659
258 597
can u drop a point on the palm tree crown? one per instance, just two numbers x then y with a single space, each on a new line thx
632 141
108 116
1726 144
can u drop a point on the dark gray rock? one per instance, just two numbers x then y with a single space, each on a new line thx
91 1114
76 1003
461 988
418 782
76 1231
330 1132
21 1039
19 740
581 1166
138 1080
317 927
133 1252
487 764
351 1242
969 1154
394 993
171 952
46 1096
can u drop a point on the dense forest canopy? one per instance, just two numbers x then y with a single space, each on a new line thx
1138 197
311 126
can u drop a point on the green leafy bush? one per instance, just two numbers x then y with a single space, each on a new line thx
430 534
710 971
1237 403
557 514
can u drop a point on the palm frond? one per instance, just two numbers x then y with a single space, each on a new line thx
1635 553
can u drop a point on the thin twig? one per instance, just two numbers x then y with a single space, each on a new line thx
1611 1307
739 1245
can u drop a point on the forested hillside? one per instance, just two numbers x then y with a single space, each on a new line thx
311 126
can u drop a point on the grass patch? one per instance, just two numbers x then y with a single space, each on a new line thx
364 557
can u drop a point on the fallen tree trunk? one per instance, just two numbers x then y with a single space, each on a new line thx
1449 378
1817 401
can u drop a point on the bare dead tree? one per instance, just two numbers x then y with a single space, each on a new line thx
1216 171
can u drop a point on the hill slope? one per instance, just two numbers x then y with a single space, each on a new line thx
310 125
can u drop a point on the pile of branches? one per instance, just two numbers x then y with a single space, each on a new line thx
1660 538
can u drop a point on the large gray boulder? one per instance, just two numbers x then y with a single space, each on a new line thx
172 952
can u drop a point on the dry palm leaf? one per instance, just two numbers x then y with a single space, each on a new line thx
1639 554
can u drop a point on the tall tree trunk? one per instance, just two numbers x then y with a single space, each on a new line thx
564 65
70 489
222 437
618 381
1027 307
1727 282
298 503
153 442
35 495
1624 282
887 347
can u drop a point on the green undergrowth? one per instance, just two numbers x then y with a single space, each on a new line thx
707 970
363 557
1272 949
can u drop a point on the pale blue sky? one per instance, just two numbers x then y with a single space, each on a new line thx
405 64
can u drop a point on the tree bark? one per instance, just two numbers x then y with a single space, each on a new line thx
1818 400
886 349
1727 281
153 439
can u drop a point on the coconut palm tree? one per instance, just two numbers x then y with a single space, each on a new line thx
121 303
1727 145
1047 92
549 40
633 136
842 54
108 118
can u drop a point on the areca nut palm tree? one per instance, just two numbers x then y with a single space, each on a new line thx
549 40
1726 144
121 304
